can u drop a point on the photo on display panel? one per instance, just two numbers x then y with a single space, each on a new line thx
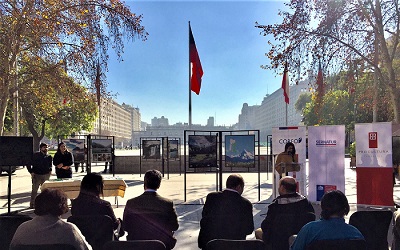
202 151
151 149
77 148
239 151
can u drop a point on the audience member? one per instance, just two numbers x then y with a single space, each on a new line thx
48 227
331 226
40 170
396 231
226 214
89 202
150 216
63 161
288 202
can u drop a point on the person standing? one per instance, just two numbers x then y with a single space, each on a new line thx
151 216
63 161
289 156
226 214
40 170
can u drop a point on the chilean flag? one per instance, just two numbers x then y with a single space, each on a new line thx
285 84
197 70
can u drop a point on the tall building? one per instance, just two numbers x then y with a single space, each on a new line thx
114 120
273 111
210 121
247 117
136 116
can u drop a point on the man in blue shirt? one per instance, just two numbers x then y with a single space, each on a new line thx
332 225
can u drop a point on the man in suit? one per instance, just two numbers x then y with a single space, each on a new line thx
226 214
150 216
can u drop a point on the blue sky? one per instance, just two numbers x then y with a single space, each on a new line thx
154 75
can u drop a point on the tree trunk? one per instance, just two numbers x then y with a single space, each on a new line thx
3 107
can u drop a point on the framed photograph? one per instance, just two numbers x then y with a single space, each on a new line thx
77 148
101 146
16 151
173 149
151 149
239 151
202 151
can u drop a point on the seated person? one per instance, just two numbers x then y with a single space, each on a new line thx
331 226
396 231
226 214
89 202
48 227
150 216
288 202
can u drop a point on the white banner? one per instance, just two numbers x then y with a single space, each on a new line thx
296 135
326 145
374 145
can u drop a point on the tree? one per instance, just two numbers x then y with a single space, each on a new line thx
72 34
57 109
336 33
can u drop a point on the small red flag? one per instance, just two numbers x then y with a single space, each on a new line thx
197 70
285 84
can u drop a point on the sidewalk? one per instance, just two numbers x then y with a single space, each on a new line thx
200 184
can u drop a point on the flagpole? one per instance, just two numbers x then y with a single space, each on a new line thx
286 114
190 91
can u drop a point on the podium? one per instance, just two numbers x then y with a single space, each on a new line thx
285 167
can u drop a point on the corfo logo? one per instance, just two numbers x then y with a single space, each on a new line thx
294 141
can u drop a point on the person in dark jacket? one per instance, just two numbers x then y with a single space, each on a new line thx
288 202
150 216
40 170
89 202
63 161
226 214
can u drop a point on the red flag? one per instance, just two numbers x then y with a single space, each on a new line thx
197 70
285 84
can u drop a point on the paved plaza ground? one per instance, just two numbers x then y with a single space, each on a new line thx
197 187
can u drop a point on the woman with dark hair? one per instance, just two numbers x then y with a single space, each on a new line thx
89 202
48 227
288 156
63 161
331 226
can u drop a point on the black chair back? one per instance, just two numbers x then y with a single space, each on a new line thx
374 226
284 226
224 244
8 226
44 247
355 244
97 229
135 244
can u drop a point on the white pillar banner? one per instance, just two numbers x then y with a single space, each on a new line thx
326 146
374 145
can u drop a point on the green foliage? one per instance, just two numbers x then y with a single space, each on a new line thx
69 34
352 149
